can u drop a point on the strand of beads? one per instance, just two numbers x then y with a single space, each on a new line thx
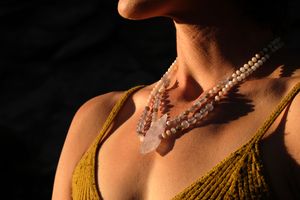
150 112
205 104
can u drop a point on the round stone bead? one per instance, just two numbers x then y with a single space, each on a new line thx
246 66
161 90
217 98
198 115
185 124
250 63
257 56
253 68
243 76
224 90
198 103
202 111
192 120
168 132
164 135
209 107
173 130
254 59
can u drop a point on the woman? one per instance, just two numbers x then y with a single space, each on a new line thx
246 148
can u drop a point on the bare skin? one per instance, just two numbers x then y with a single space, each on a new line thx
208 49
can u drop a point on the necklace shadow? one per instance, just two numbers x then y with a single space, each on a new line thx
289 69
234 106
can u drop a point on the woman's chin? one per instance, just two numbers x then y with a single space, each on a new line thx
141 9
130 11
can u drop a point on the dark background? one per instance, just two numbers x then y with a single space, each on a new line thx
55 55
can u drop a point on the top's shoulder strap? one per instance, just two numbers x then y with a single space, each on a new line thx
114 112
279 108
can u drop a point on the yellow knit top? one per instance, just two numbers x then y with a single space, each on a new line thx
239 176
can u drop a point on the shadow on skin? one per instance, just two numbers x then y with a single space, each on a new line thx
231 108
236 105
289 69
274 150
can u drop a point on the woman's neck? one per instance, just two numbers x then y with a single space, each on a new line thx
208 54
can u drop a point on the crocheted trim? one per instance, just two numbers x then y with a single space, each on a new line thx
202 188
87 164
245 150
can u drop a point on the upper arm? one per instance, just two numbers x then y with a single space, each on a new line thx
83 130
292 130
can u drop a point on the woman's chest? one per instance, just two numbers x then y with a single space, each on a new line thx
124 173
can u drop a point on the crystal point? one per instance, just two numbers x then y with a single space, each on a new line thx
152 138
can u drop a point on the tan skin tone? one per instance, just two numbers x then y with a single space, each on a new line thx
208 50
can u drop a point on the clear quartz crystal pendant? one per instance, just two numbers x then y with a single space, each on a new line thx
153 136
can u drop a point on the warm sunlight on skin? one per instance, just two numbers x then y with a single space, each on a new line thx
142 9
213 39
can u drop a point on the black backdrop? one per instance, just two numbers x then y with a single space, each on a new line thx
54 56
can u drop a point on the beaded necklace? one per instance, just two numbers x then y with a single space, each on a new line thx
152 129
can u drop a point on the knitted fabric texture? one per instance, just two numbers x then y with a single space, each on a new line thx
239 176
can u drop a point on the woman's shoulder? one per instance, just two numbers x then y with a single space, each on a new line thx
292 125
98 107
91 116
83 130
